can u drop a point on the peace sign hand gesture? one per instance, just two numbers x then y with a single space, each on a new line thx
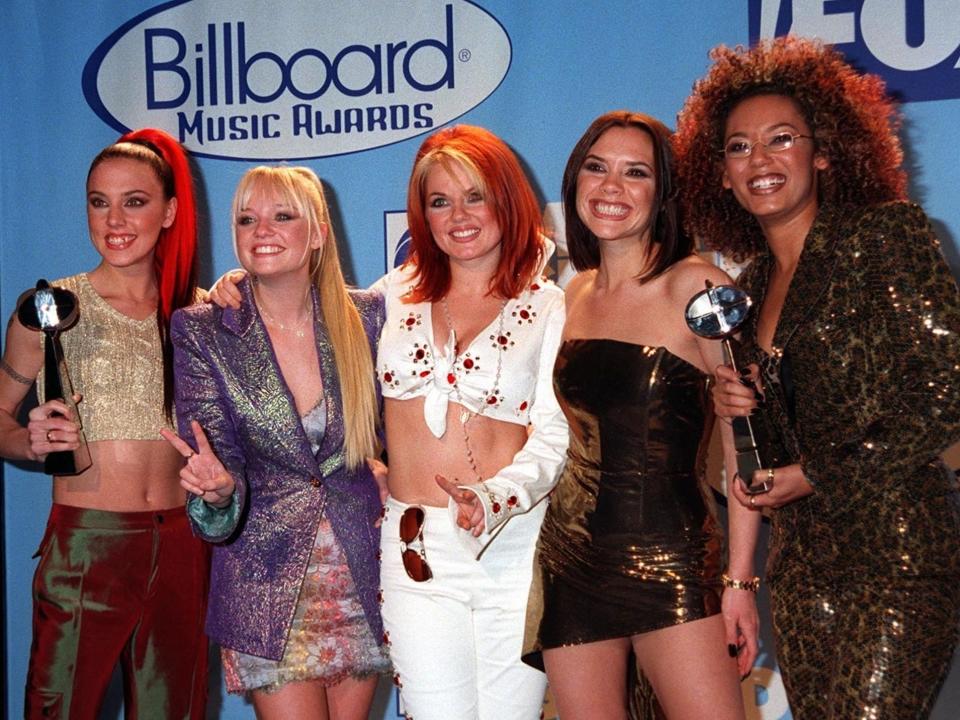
203 474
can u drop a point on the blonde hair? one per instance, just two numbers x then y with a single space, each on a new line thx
302 189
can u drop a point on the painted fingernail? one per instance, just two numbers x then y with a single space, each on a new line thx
758 396
744 371
747 382
732 650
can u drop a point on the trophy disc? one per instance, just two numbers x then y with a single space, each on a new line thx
716 313
47 308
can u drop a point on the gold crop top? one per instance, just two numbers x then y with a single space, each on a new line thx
115 363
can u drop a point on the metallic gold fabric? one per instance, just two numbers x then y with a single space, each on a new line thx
630 542
863 386
116 363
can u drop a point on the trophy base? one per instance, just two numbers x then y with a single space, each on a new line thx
67 462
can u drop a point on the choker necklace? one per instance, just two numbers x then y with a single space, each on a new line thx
466 415
298 329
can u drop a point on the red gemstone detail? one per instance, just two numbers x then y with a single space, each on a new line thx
502 339
419 354
512 500
424 373
525 314
523 406
495 507
387 377
468 363
535 286
411 321
380 596
386 638
396 680
451 378
492 400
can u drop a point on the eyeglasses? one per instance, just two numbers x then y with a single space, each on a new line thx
739 148
411 532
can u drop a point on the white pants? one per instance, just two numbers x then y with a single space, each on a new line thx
455 640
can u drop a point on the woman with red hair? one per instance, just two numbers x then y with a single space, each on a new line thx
120 577
474 433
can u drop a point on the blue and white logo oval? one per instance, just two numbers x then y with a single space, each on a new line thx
303 80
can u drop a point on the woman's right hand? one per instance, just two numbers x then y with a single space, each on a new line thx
736 394
203 474
224 291
52 428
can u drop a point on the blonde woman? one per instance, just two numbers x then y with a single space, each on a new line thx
278 396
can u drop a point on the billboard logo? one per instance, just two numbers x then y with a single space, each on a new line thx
913 44
304 80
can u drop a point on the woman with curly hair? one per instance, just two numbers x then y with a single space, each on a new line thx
790 157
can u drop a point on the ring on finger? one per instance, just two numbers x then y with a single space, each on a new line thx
753 501
49 439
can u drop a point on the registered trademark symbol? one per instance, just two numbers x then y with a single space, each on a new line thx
464 55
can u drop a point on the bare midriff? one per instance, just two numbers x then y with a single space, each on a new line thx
416 456
126 476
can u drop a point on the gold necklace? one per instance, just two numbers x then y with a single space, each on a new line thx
297 329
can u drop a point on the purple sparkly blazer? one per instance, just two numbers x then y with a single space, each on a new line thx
228 379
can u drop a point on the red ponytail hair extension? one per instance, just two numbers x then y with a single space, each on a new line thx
176 251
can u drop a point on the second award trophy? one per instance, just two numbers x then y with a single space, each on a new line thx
716 313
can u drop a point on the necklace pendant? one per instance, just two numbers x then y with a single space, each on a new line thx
465 416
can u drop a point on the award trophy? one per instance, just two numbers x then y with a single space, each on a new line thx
716 313
49 310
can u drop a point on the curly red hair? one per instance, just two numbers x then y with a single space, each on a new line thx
497 172
853 120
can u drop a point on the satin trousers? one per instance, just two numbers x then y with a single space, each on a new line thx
127 587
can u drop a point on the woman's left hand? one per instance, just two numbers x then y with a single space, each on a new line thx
470 514
742 626
789 484
203 474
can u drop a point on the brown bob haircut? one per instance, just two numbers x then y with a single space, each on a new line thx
670 244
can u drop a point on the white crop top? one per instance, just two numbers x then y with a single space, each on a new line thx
410 364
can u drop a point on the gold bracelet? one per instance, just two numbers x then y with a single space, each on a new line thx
728 582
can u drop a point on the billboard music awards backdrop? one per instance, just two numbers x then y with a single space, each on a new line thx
350 88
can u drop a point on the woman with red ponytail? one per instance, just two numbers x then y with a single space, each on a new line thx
121 577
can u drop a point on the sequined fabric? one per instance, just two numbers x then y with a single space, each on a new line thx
116 363
329 638
630 542
863 386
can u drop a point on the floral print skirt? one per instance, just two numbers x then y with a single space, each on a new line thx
329 639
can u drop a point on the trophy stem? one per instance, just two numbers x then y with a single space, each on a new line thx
57 384
744 437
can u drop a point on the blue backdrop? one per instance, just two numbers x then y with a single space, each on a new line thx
348 88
